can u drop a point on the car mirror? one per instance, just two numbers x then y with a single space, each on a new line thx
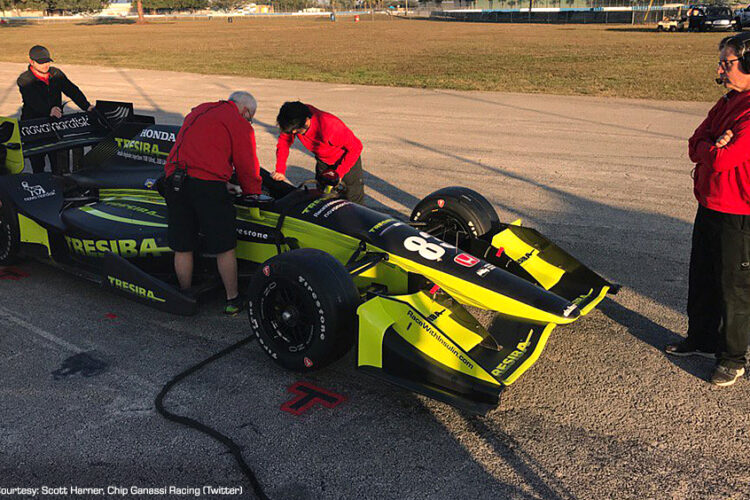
6 131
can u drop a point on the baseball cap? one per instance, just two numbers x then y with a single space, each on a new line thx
39 54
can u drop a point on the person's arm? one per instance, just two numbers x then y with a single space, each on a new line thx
736 152
71 90
245 158
32 99
340 136
701 135
282 152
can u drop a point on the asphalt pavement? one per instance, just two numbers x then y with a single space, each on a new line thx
603 413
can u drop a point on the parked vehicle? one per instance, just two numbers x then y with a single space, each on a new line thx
710 18
671 24
742 18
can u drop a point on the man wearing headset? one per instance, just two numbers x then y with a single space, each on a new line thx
215 140
719 283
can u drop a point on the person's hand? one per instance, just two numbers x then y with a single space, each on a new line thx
56 112
234 189
329 177
278 176
257 198
91 108
724 139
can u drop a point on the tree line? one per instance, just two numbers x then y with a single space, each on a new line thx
161 6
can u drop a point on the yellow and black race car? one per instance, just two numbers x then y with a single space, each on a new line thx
327 274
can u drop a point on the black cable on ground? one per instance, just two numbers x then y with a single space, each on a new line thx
226 441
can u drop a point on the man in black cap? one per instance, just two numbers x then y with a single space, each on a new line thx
41 89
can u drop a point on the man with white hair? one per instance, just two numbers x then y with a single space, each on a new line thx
215 141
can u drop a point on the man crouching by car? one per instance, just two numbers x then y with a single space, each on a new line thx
216 139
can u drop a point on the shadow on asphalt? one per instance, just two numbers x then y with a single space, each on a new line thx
546 114
656 336
542 482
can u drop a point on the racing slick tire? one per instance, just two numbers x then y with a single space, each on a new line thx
10 239
453 210
302 306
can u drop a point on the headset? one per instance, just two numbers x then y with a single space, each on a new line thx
743 40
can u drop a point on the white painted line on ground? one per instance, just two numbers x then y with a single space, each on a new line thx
12 318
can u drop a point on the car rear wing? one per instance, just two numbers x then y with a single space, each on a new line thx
21 139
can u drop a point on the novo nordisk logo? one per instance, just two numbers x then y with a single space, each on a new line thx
36 192
72 123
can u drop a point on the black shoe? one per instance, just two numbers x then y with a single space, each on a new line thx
724 376
687 348
234 306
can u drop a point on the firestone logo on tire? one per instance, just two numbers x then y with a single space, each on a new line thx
267 270
441 203
308 362
466 260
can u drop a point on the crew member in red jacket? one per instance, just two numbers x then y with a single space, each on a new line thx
337 150
216 139
719 283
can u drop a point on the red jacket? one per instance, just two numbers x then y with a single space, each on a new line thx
722 175
327 138
217 138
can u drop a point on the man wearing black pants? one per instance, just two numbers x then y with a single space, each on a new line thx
41 87
719 282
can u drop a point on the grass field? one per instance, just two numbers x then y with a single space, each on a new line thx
602 60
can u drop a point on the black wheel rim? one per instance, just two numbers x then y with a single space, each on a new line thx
287 313
447 227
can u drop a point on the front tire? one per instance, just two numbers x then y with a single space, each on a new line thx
455 213
302 307
10 239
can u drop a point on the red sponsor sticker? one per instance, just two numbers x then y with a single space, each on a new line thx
441 203
435 289
267 270
466 260
499 251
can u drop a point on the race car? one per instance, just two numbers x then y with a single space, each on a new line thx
326 274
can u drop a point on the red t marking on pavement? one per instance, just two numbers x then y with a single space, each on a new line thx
307 396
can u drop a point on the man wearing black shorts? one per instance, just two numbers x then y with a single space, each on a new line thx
215 141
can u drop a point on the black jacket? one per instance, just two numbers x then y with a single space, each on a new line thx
39 98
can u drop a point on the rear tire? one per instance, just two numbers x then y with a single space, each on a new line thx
302 307
10 239
455 212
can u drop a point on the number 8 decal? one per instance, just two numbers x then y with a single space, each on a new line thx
427 250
